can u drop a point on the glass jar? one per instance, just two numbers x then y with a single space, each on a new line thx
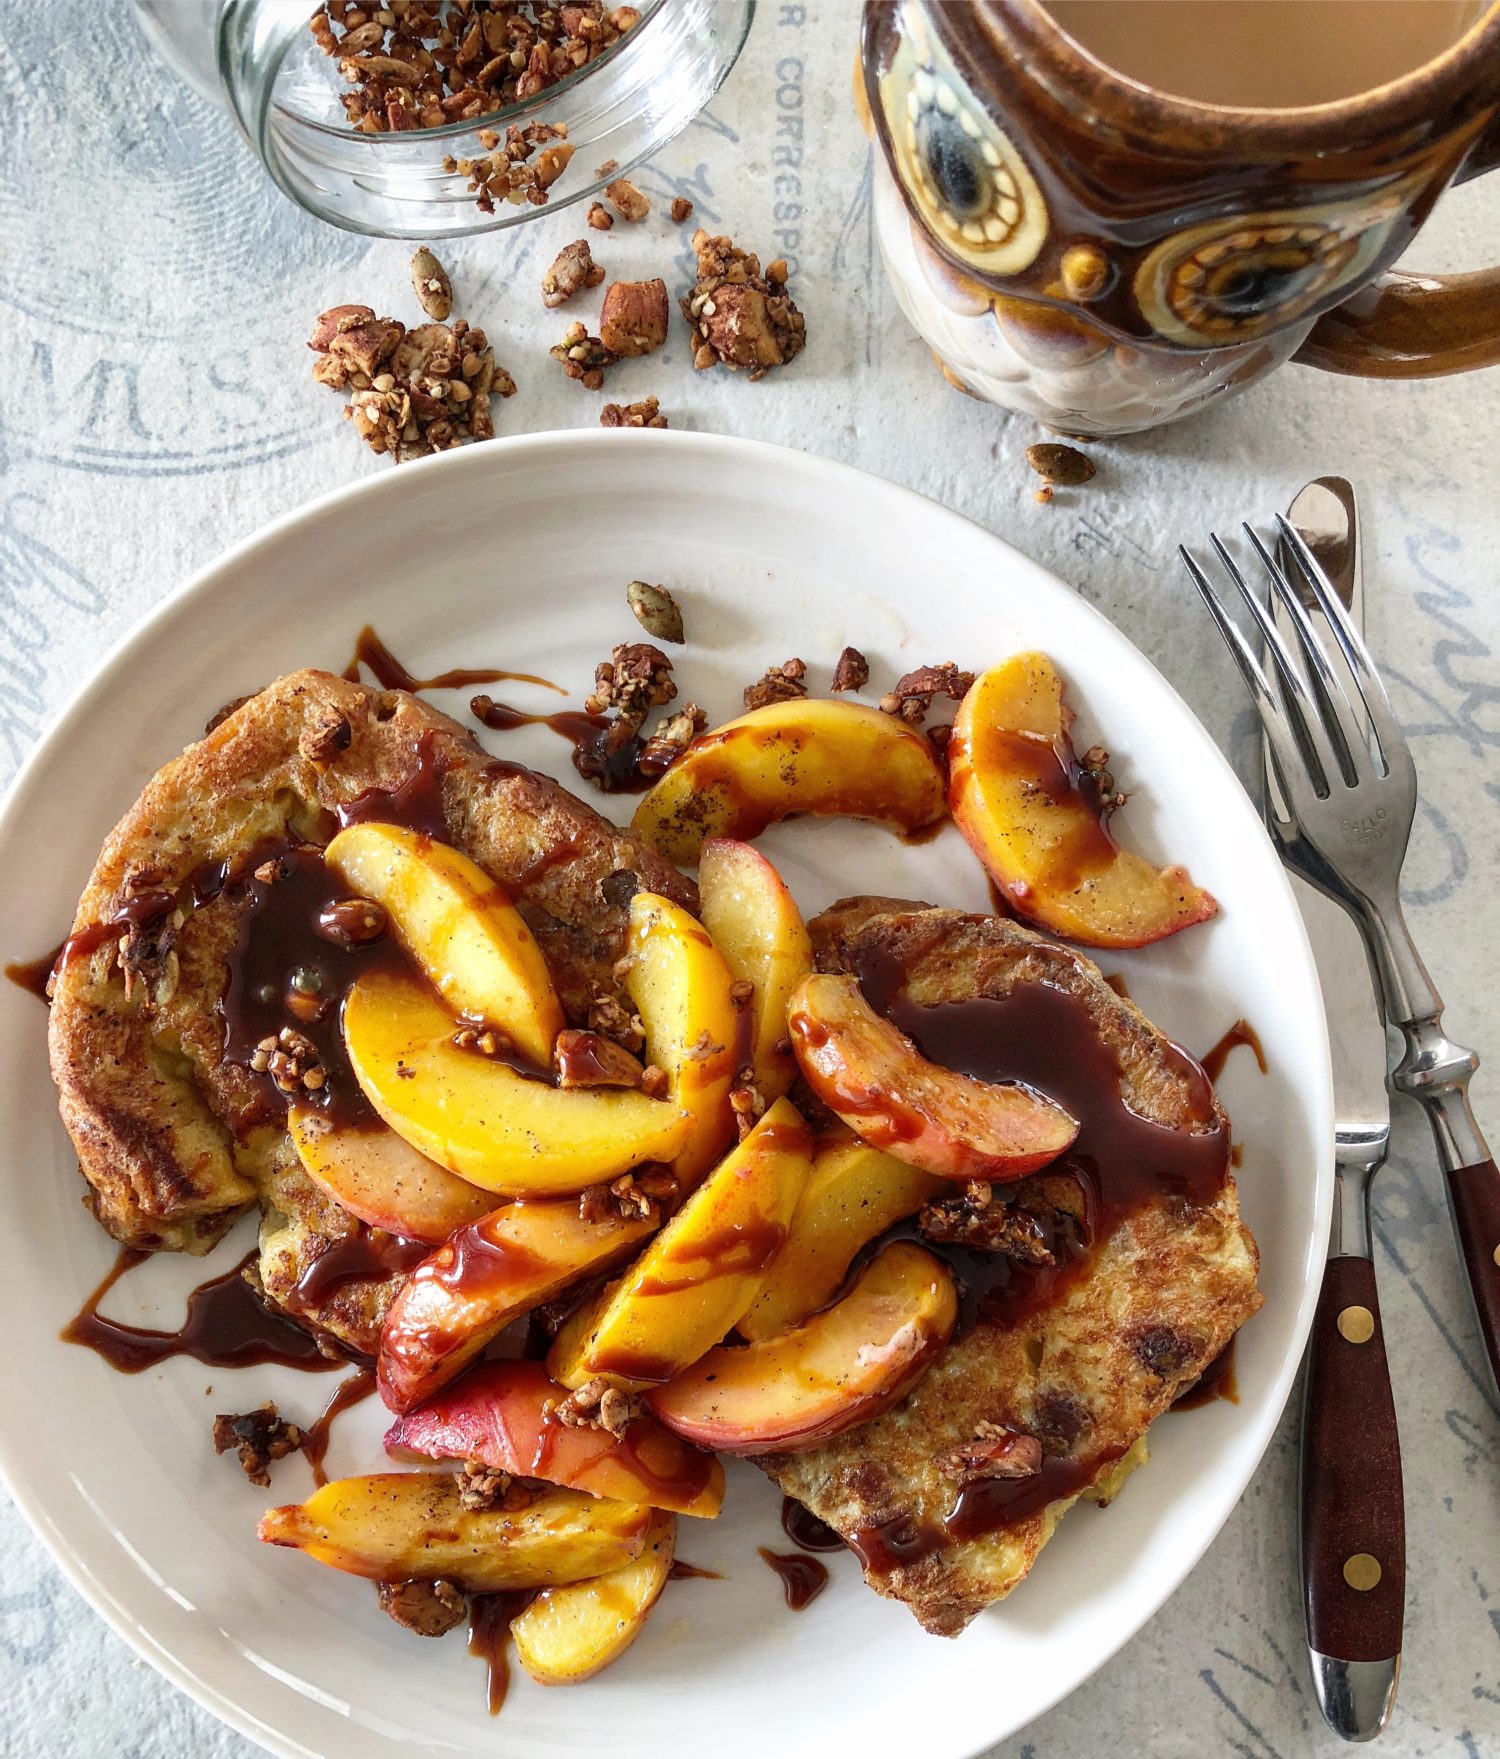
259 59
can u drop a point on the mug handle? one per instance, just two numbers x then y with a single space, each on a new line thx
1408 326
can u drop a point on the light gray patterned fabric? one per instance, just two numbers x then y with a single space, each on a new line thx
155 294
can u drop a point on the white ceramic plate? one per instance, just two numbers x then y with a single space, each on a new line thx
517 554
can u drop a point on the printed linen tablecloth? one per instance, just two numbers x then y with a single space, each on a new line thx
155 296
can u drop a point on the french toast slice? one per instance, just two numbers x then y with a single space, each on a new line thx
1088 1358
176 1139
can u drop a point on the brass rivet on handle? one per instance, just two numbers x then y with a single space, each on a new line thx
1361 1572
1356 1325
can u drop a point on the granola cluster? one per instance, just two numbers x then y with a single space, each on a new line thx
636 678
506 170
983 1222
411 392
645 414
583 357
598 1405
259 1437
738 316
423 63
573 270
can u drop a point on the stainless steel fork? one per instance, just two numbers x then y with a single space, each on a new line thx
1350 787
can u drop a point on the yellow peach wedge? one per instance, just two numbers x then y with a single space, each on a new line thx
393 1526
486 1275
1032 815
479 1117
892 1097
568 1634
381 1179
757 926
842 1367
680 985
461 928
835 759
853 1195
701 1272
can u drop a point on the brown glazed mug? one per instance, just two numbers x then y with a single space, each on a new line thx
1106 257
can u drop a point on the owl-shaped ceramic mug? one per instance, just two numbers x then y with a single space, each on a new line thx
1106 257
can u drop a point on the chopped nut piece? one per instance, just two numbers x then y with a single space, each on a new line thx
430 1609
1043 494
353 922
645 414
633 320
670 739
996 1451
1097 774
573 269
587 1059
483 1487
322 743
260 1437
654 1081
741 992
599 217
779 684
913 694
607 169
430 282
598 1405
583 357
985 1223
1056 463
737 315
627 200
633 1196
657 612
607 1017
747 1101
681 208
852 671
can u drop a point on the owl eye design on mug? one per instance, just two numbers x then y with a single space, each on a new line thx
971 187
1234 280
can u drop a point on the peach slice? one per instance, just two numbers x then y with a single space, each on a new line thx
842 1367
568 1634
886 1091
853 1195
836 759
502 1414
380 1178
461 928
680 985
488 1274
701 1272
1020 797
394 1525
758 928
479 1117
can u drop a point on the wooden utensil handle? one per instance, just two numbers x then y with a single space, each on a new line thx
1474 1193
1353 1519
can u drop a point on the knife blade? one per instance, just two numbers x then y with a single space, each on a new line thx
1352 1538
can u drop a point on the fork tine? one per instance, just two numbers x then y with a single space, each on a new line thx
1394 751
1348 738
1315 749
1277 728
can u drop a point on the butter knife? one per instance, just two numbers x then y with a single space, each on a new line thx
1350 1493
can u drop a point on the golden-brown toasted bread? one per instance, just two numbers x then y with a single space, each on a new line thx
177 1141
1086 1368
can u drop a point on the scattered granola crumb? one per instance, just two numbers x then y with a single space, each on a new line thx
573 269
483 1487
997 1451
430 1609
657 612
260 1437
1095 766
588 1059
747 1101
633 319
1064 465
681 208
598 1405
607 169
912 695
778 684
645 414
982 1222
1044 494
626 200
741 992
654 1082
670 739
738 316
852 671
612 1020
599 217
583 357
508 172
633 1196
431 285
